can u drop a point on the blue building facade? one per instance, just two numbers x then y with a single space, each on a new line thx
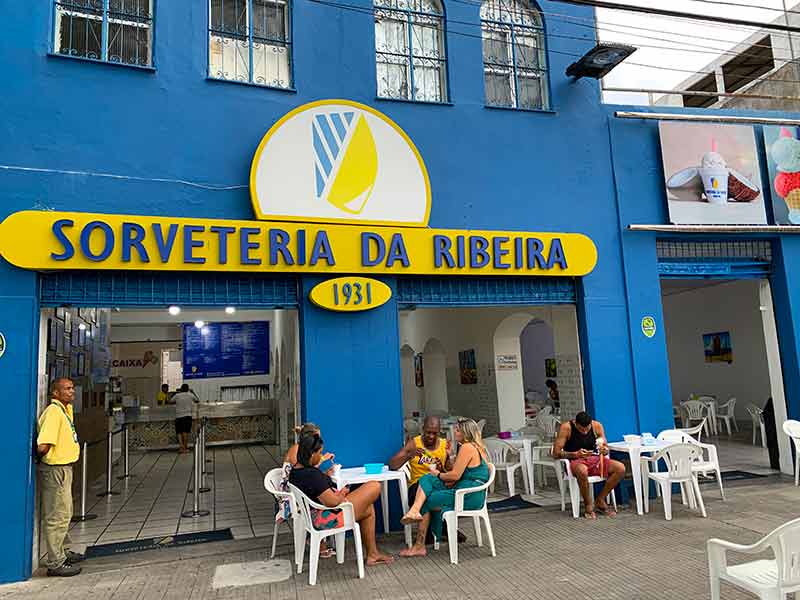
174 134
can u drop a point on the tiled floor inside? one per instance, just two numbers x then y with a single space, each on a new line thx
150 503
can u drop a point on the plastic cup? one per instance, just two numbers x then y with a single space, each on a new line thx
715 184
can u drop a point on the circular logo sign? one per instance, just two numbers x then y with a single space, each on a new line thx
339 161
648 326
2 344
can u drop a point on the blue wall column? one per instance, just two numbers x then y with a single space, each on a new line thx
786 301
19 323
351 378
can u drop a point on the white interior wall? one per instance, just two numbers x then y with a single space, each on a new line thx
474 328
133 332
413 396
286 381
536 345
728 306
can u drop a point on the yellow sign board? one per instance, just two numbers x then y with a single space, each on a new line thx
46 240
350 294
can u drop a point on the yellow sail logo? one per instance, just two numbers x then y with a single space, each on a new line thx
345 159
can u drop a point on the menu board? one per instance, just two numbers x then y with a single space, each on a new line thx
226 349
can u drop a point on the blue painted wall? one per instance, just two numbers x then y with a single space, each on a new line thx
489 169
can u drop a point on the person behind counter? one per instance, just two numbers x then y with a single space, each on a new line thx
184 401
163 395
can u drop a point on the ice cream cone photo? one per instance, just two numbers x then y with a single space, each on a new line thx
783 154
711 174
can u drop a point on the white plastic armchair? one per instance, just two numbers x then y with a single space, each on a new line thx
757 417
696 411
565 474
543 457
708 461
481 514
679 459
792 429
305 504
727 413
498 455
546 410
767 579
711 411
272 483
697 430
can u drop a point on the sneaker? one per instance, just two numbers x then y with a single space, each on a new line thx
74 557
65 570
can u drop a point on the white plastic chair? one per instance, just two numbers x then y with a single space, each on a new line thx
679 459
769 579
727 413
707 463
481 424
305 504
757 417
545 410
549 425
272 483
451 518
498 455
695 431
711 411
565 473
792 429
543 457
694 410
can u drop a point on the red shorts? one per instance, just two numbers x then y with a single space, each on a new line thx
592 464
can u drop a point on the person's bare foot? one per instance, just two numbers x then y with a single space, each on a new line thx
411 517
604 509
379 559
414 551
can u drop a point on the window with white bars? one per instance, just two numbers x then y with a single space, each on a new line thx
514 55
410 55
116 31
250 41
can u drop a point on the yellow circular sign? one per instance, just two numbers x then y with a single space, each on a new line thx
350 294
648 326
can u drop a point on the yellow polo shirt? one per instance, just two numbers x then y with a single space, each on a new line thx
56 428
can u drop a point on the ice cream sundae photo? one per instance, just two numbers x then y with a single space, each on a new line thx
714 181
785 151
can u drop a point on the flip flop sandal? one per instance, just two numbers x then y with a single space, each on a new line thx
409 520
591 515
327 553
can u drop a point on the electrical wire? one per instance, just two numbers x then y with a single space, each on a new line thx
728 3
203 186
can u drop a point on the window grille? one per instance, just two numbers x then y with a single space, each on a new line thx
514 55
117 31
750 250
410 51
481 291
250 41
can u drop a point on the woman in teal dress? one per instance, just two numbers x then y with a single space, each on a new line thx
436 493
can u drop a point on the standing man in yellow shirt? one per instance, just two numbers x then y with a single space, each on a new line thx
57 445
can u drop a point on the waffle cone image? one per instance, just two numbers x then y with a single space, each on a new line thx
793 199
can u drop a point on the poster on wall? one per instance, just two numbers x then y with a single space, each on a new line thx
467 368
783 164
507 362
550 368
712 174
717 347
419 376
226 349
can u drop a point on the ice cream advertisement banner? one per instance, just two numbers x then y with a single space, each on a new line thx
783 160
712 174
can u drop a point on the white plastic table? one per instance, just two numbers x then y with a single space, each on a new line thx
635 451
354 475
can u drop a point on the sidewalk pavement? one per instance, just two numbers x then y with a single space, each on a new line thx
542 554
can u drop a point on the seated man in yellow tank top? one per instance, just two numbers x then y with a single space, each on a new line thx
421 452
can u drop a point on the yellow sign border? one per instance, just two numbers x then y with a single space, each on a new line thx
308 219
379 287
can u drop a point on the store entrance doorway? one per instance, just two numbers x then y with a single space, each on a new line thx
723 351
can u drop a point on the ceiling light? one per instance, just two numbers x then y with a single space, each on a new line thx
599 61
174 310
229 310
199 324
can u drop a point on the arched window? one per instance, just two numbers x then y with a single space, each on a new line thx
514 58
409 50
250 41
